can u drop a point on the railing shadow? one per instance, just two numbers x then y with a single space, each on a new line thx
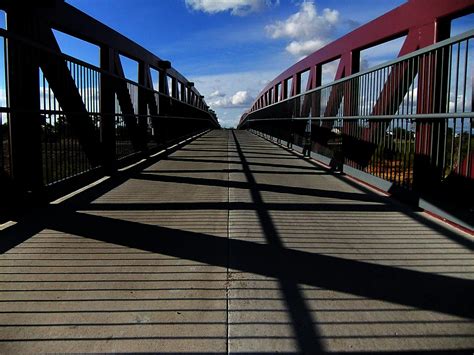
449 295
406 209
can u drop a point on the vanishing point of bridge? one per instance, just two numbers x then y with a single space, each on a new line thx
132 223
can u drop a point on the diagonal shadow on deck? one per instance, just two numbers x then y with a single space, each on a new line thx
426 291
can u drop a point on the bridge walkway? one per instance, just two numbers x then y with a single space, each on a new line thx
233 244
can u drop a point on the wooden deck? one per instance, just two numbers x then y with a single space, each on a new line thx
233 244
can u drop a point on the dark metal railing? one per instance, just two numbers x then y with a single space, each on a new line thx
408 121
62 117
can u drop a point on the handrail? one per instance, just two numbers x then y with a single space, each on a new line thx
407 122
424 22
453 40
4 33
415 116
67 19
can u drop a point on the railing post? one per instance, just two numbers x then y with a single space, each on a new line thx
143 94
164 104
351 100
316 108
433 74
190 92
23 89
107 109
291 134
182 88
162 82
174 88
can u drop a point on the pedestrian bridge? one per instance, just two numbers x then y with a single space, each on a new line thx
131 222
233 243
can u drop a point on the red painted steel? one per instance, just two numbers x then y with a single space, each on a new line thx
424 22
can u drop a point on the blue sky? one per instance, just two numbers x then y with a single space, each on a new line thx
232 48
226 47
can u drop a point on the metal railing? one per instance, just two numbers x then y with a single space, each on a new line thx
74 141
408 121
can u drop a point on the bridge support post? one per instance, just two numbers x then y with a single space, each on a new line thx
24 101
164 102
143 99
432 88
107 110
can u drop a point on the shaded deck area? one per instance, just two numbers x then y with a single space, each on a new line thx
233 244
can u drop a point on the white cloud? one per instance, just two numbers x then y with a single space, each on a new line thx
308 29
236 7
216 93
239 99
224 102
242 85
305 23
329 71
303 48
